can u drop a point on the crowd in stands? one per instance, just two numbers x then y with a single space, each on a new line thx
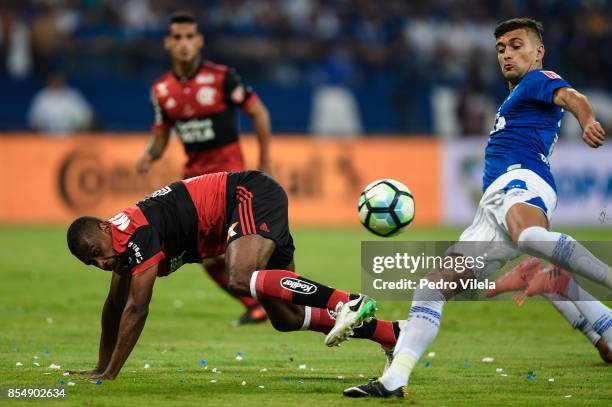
396 44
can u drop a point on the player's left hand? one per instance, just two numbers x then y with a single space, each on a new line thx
594 134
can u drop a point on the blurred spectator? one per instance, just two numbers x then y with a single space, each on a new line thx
59 109
476 108
360 44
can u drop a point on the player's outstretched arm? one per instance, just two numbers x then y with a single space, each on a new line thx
570 99
111 316
154 150
132 320
261 123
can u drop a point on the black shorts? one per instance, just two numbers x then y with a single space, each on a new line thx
257 204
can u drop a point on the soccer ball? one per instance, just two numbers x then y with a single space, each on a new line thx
386 206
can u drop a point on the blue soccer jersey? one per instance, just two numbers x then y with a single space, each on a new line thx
526 128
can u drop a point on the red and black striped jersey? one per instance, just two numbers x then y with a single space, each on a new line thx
181 223
201 109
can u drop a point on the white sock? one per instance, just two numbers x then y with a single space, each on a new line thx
571 313
307 317
419 332
566 252
595 312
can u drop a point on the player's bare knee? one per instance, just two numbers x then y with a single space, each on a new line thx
239 283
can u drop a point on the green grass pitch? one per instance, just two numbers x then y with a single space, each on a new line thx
50 308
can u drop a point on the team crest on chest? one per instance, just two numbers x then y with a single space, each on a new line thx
206 96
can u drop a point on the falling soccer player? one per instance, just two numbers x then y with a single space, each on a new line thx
519 194
241 214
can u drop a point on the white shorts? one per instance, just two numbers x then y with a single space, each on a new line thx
489 227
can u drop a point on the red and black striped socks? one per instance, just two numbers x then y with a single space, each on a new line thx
288 286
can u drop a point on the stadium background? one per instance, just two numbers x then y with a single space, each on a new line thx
357 90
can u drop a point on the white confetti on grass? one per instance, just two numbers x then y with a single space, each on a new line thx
146 365
54 366
302 367
243 383
36 364
261 386
34 357
499 370
488 359
238 358
49 320
65 373
552 379
71 383
263 370
569 396
213 381
341 377
18 364
360 375
431 354
504 375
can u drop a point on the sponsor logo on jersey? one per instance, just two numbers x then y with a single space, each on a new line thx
160 192
298 286
551 74
205 79
231 232
195 130
177 262
121 220
264 227
137 254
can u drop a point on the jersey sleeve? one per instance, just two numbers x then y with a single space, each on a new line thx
236 92
544 84
160 120
142 251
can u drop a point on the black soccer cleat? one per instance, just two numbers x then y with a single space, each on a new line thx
375 388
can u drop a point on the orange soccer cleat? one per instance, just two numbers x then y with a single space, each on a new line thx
516 279
253 315
549 280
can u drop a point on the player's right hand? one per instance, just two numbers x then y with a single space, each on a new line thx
144 163
594 134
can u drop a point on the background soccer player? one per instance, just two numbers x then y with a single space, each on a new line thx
519 193
197 100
